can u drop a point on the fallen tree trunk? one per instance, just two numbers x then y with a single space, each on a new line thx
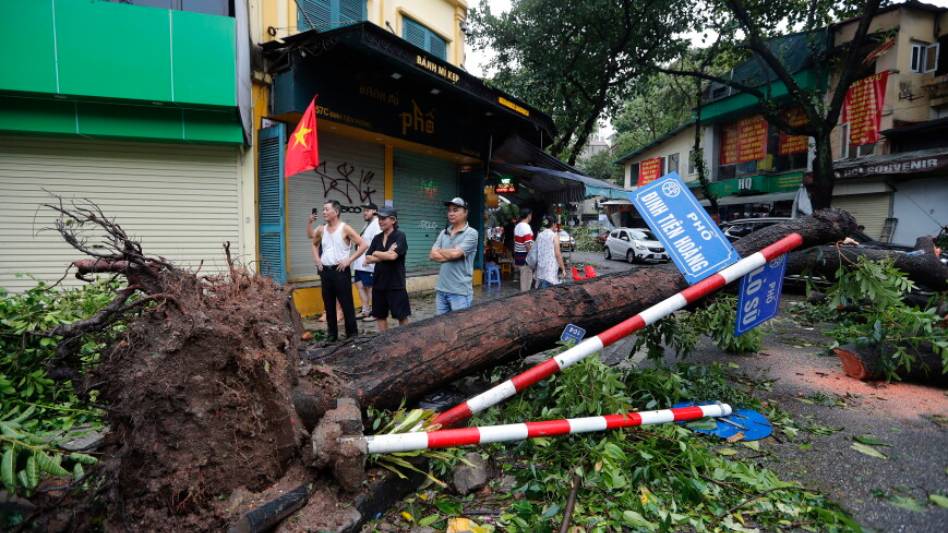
866 363
923 268
409 361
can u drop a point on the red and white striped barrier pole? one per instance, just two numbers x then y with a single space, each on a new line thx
446 438
584 349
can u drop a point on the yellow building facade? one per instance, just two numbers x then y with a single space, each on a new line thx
400 124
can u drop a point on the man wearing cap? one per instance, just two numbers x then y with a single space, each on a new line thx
455 248
387 253
361 268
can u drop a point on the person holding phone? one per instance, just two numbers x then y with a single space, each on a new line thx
332 255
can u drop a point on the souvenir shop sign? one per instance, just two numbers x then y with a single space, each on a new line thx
793 144
862 108
693 240
650 170
744 140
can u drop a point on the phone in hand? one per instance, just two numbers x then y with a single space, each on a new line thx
315 211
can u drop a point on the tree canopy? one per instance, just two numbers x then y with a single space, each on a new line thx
575 60
579 61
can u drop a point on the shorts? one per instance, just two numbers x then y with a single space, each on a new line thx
520 258
394 301
364 277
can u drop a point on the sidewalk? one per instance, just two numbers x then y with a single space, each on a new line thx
422 306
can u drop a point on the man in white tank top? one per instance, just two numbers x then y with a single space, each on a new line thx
332 255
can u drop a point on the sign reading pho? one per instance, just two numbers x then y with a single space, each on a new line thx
692 239
572 334
759 299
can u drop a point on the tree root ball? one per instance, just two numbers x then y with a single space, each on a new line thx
199 395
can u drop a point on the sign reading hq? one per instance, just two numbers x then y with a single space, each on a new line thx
678 220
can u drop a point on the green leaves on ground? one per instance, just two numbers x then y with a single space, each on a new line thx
939 500
868 450
655 478
35 411
872 312
869 440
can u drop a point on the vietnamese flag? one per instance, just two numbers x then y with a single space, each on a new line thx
302 150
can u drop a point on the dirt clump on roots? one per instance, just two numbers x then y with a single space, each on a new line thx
199 395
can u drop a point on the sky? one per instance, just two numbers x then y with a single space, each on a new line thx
476 60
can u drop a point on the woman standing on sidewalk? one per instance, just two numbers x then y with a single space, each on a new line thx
549 258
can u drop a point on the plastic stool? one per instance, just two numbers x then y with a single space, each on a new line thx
506 269
589 271
493 274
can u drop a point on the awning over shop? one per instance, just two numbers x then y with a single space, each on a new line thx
368 78
519 157
754 199
567 186
900 164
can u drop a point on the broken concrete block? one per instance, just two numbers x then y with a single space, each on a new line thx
468 478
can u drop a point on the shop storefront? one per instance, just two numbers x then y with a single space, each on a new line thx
897 197
396 127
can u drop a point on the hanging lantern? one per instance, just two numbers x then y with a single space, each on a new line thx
490 197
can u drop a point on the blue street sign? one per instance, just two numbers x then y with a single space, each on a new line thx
678 220
759 299
572 334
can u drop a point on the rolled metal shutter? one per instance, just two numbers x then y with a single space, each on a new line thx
350 171
422 184
870 210
180 201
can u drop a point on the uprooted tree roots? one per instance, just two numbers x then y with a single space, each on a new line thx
198 388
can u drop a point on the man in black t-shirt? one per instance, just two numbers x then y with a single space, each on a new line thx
387 253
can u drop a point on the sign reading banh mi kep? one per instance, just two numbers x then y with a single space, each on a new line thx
759 296
693 241
649 171
862 108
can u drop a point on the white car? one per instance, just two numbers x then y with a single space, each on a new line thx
634 244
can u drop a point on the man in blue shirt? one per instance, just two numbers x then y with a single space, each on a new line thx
455 248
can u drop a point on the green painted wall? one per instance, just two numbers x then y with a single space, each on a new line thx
102 119
92 48
740 103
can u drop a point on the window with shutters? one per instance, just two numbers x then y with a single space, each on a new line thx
423 38
325 15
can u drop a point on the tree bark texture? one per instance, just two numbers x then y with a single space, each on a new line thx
409 361
924 269
865 363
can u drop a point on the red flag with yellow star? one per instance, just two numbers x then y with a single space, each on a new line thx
302 150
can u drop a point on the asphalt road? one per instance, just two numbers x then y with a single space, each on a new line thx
912 421
796 373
